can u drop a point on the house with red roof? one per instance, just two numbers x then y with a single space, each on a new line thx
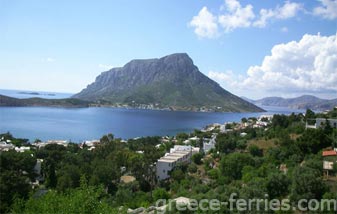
329 153
329 161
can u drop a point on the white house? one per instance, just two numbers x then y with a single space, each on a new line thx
209 144
268 117
59 142
91 143
165 164
319 122
22 149
4 146
191 139
192 149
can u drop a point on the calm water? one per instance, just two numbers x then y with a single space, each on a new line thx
78 124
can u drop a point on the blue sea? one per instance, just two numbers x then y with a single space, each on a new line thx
79 124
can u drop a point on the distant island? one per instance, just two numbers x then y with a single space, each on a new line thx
172 82
35 93
68 102
302 102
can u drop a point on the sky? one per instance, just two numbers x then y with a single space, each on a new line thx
251 48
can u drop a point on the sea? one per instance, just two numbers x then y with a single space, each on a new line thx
80 124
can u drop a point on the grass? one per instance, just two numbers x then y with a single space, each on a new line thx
263 143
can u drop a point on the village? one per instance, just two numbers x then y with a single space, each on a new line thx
182 152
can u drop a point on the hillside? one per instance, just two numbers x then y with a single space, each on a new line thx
302 102
69 102
169 82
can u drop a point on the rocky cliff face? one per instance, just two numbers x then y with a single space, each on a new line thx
171 81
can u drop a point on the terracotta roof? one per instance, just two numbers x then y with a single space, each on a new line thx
329 153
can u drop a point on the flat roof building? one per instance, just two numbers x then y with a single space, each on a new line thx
167 163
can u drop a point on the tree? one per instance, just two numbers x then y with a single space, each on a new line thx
225 143
12 185
37 140
196 158
182 136
177 174
49 173
280 120
313 140
309 114
160 193
85 199
17 170
277 185
255 151
306 184
192 168
232 164
69 177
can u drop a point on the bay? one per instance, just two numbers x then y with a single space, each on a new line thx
79 124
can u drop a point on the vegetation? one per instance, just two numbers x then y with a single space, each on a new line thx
283 161
68 102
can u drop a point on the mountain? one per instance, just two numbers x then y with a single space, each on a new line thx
302 102
69 102
171 82
247 99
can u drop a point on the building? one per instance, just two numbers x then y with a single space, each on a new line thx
329 160
320 122
6 146
265 117
58 142
329 153
192 149
22 149
209 144
191 139
167 163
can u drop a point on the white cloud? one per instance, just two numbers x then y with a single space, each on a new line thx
226 77
327 10
205 24
288 10
106 67
233 15
236 16
306 66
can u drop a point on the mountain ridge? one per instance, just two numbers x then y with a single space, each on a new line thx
172 81
36 101
301 102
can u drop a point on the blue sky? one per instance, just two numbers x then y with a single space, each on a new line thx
252 48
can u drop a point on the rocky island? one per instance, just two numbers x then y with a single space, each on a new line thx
171 82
